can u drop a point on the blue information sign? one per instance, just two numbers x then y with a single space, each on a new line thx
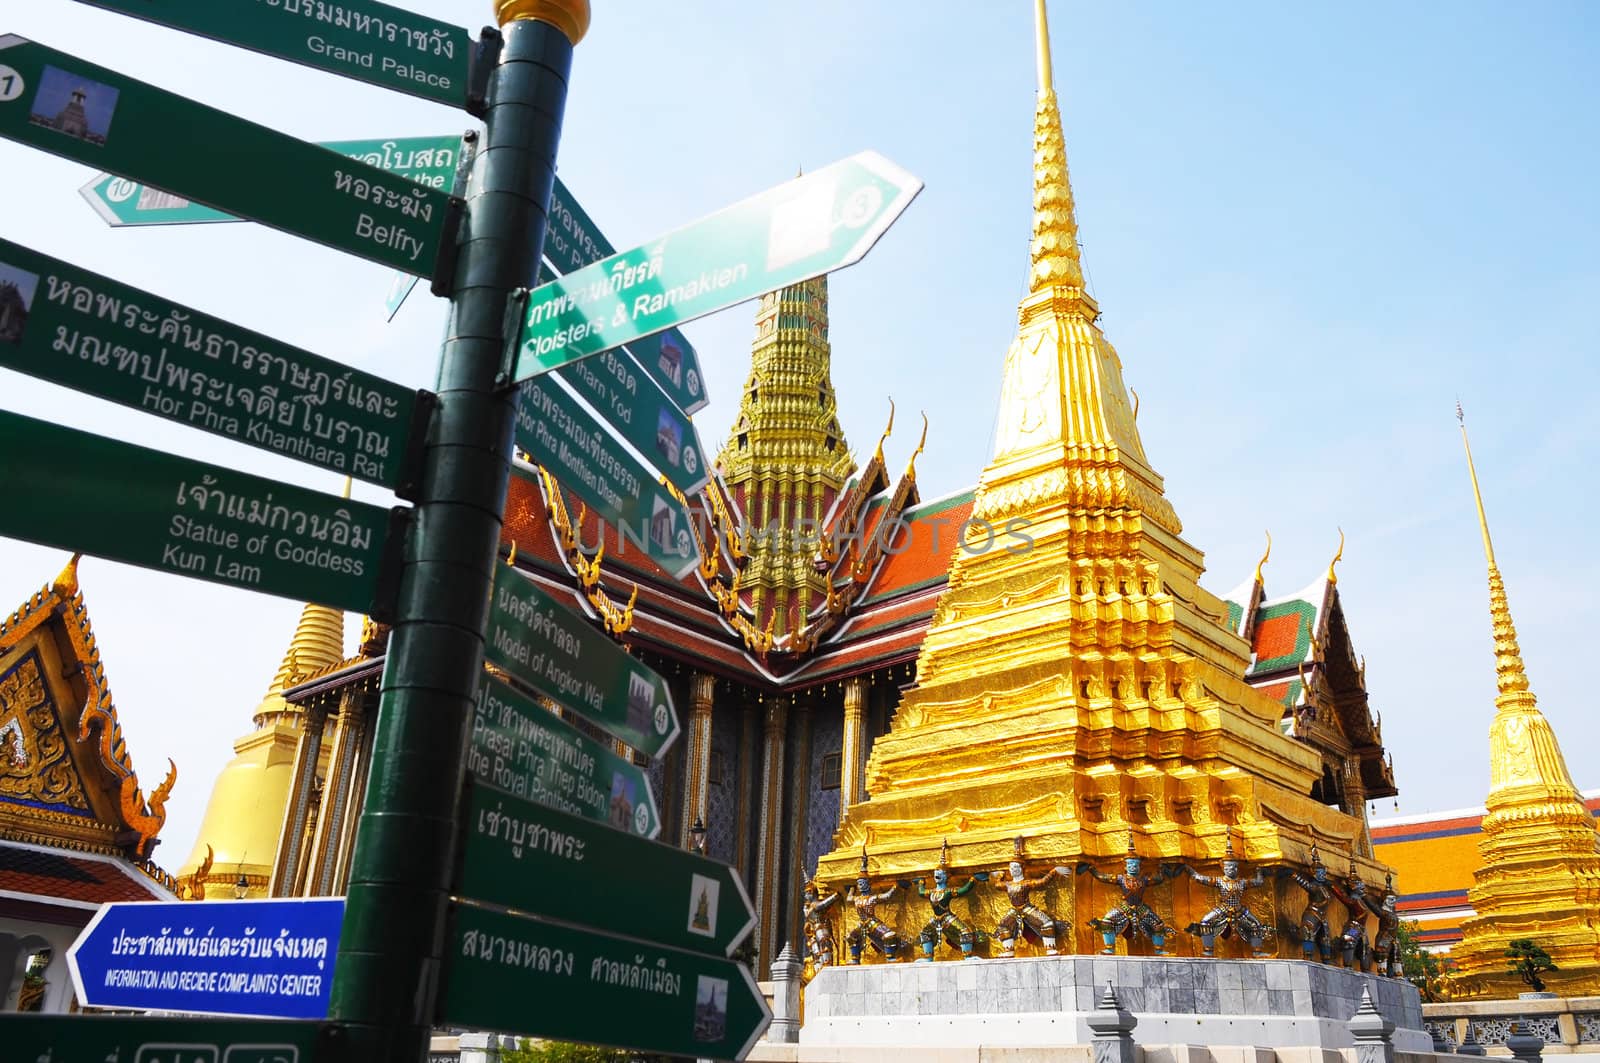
269 959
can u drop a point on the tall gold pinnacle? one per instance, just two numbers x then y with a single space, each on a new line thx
1511 678
1057 260
1541 866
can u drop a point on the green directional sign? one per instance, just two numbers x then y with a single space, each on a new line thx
807 227
641 413
72 327
82 492
573 241
566 658
567 441
63 105
515 850
539 979
428 161
383 45
529 751
162 1039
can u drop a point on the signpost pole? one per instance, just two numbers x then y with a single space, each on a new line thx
389 968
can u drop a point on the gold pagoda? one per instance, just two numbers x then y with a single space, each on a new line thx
244 818
1540 877
1083 692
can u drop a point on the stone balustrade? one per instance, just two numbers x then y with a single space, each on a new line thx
1566 1025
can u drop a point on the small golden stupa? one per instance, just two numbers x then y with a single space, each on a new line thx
244 817
1084 693
1540 877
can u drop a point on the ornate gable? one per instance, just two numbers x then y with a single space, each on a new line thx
65 777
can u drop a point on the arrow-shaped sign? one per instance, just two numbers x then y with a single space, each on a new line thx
176 515
376 43
271 959
516 850
802 229
542 979
428 161
573 447
524 748
563 656
88 332
63 105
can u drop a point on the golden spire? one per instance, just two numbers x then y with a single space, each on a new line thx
1510 676
318 642
1056 259
1541 861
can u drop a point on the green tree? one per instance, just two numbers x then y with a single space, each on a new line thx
561 1052
1527 960
1421 968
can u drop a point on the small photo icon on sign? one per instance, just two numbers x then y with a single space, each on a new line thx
670 359
74 105
711 1009
624 795
641 702
669 437
801 227
703 905
16 300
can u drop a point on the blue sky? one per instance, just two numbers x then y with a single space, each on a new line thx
1310 231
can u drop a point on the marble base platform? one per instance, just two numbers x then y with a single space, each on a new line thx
1044 1001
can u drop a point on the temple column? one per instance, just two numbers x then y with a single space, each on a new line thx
769 850
361 768
292 838
799 812
852 751
697 756
747 795
335 797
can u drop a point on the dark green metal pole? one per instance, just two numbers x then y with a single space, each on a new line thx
387 976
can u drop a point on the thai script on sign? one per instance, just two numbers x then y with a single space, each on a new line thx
188 942
495 948
434 41
520 834
410 202
340 528
540 621
622 276
636 975
390 157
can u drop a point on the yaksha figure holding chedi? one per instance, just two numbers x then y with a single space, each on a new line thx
869 929
1131 916
945 923
818 932
1231 915
1386 943
1026 919
1314 935
1353 940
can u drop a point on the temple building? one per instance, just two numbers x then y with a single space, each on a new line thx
1539 875
856 663
76 827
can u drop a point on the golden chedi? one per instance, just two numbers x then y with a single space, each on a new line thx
1540 877
1084 693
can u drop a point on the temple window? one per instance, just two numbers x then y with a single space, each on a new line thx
717 769
829 776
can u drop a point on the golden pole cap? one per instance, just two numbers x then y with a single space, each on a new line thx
569 16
